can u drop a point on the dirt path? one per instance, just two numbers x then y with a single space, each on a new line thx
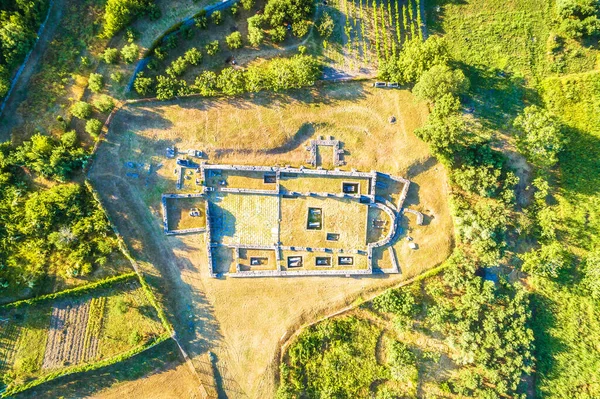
10 118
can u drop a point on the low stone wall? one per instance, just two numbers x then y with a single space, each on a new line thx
285 273
418 214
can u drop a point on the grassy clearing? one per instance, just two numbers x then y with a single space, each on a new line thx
57 335
265 129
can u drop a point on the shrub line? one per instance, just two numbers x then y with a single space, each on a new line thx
76 291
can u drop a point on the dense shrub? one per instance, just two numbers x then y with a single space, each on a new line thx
216 17
110 55
206 83
93 127
129 52
539 136
120 13
193 56
278 34
104 104
95 82
234 40
402 362
550 261
325 25
81 110
212 48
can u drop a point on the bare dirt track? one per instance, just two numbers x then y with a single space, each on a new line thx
243 320
33 65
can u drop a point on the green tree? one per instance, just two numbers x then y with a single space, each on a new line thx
110 55
129 52
116 77
300 28
142 84
193 56
231 81
216 17
278 34
104 104
93 127
247 4
325 25
279 11
95 82
177 67
578 18
414 59
120 13
439 81
397 301
550 261
234 40
166 87
234 9
206 83
201 20
212 48
81 110
255 36
539 136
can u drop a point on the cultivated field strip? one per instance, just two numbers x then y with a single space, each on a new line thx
373 31
66 335
9 338
92 331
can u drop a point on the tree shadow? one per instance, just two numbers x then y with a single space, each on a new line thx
304 132
158 359
496 97
420 166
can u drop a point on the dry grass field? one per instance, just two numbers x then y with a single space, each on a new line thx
242 320
179 210
244 218
317 184
345 217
